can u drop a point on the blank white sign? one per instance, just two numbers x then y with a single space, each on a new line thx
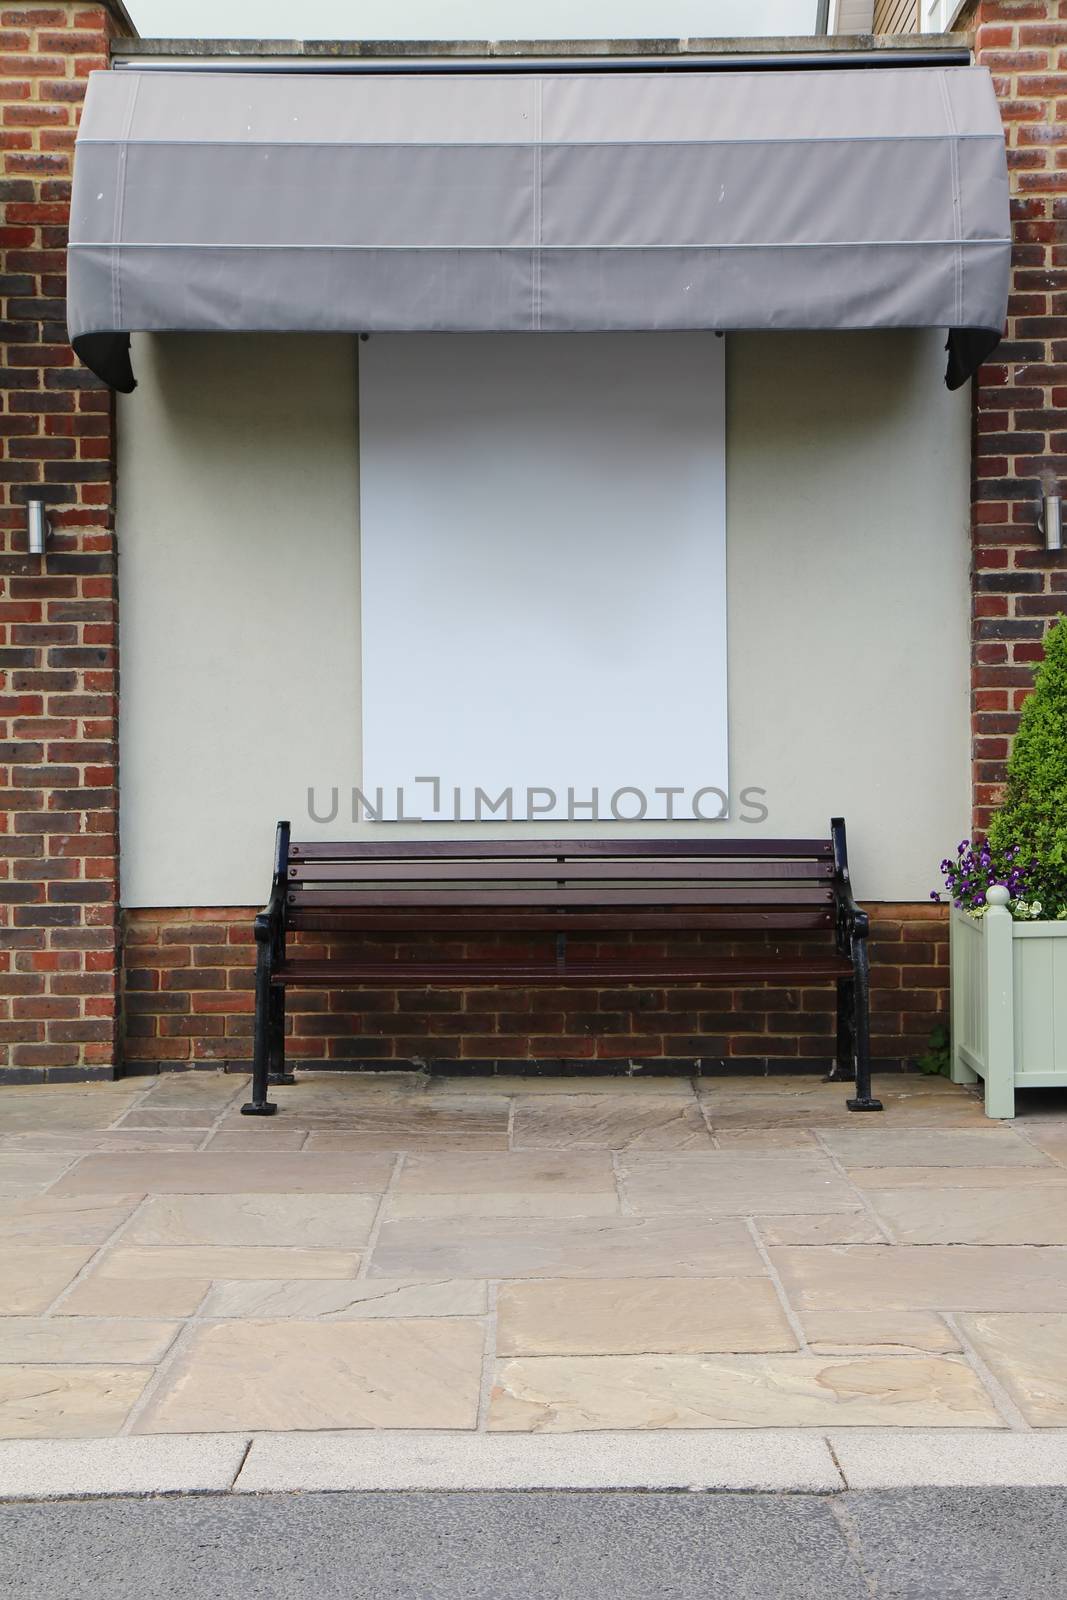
543 575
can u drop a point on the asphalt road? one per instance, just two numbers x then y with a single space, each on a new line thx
975 1544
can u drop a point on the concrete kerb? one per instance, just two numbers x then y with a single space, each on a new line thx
787 1460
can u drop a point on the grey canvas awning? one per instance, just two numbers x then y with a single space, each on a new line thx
555 202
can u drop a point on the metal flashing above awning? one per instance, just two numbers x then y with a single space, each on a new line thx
519 202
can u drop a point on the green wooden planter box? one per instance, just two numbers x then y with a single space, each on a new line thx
1009 1003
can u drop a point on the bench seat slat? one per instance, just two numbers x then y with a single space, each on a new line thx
467 974
543 896
721 919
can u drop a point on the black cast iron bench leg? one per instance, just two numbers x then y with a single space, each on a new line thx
277 1072
259 1105
861 1032
844 1066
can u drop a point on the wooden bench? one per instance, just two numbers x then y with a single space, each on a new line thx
573 891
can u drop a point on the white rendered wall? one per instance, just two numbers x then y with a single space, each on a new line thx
847 563
584 474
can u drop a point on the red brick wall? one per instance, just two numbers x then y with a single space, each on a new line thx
188 1002
58 663
1020 445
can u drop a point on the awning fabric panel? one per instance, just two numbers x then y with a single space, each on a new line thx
521 202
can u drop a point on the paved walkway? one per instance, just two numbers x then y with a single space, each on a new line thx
508 1257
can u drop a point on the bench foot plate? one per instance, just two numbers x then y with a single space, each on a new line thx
281 1077
251 1109
867 1104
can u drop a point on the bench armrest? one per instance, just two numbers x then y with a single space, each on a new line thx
270 922
852 921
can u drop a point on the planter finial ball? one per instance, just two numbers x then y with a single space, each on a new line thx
997 895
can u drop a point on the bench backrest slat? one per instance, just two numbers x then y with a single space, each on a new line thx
568 849
605 870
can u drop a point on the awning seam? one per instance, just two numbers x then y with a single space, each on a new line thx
120 205
954 167
513 249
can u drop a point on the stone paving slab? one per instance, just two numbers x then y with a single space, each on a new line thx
330 1221
230 1172
846 1333
140 1264
585 1247
144 1119
934 1277
1028 1353
67 1402
98 1295
78 1141
542 1204
243 1136
621 1085
65 1219
609 1122
973 1216
70 1106
549 1394
640 1316
348 1301
733 1183
25 1172
233 1376
952 1177
513 1171
74 1339
940 1146
474 1123
839 1227
33 1275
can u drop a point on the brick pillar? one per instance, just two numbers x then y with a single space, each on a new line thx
1020 445
58 617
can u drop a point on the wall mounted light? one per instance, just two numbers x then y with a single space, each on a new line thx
1050 523
38 527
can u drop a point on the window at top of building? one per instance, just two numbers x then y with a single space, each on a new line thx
474 19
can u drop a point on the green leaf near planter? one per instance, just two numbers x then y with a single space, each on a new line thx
937 1057
1034 813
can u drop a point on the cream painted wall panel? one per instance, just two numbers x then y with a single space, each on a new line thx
847 548
239 577
847 515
